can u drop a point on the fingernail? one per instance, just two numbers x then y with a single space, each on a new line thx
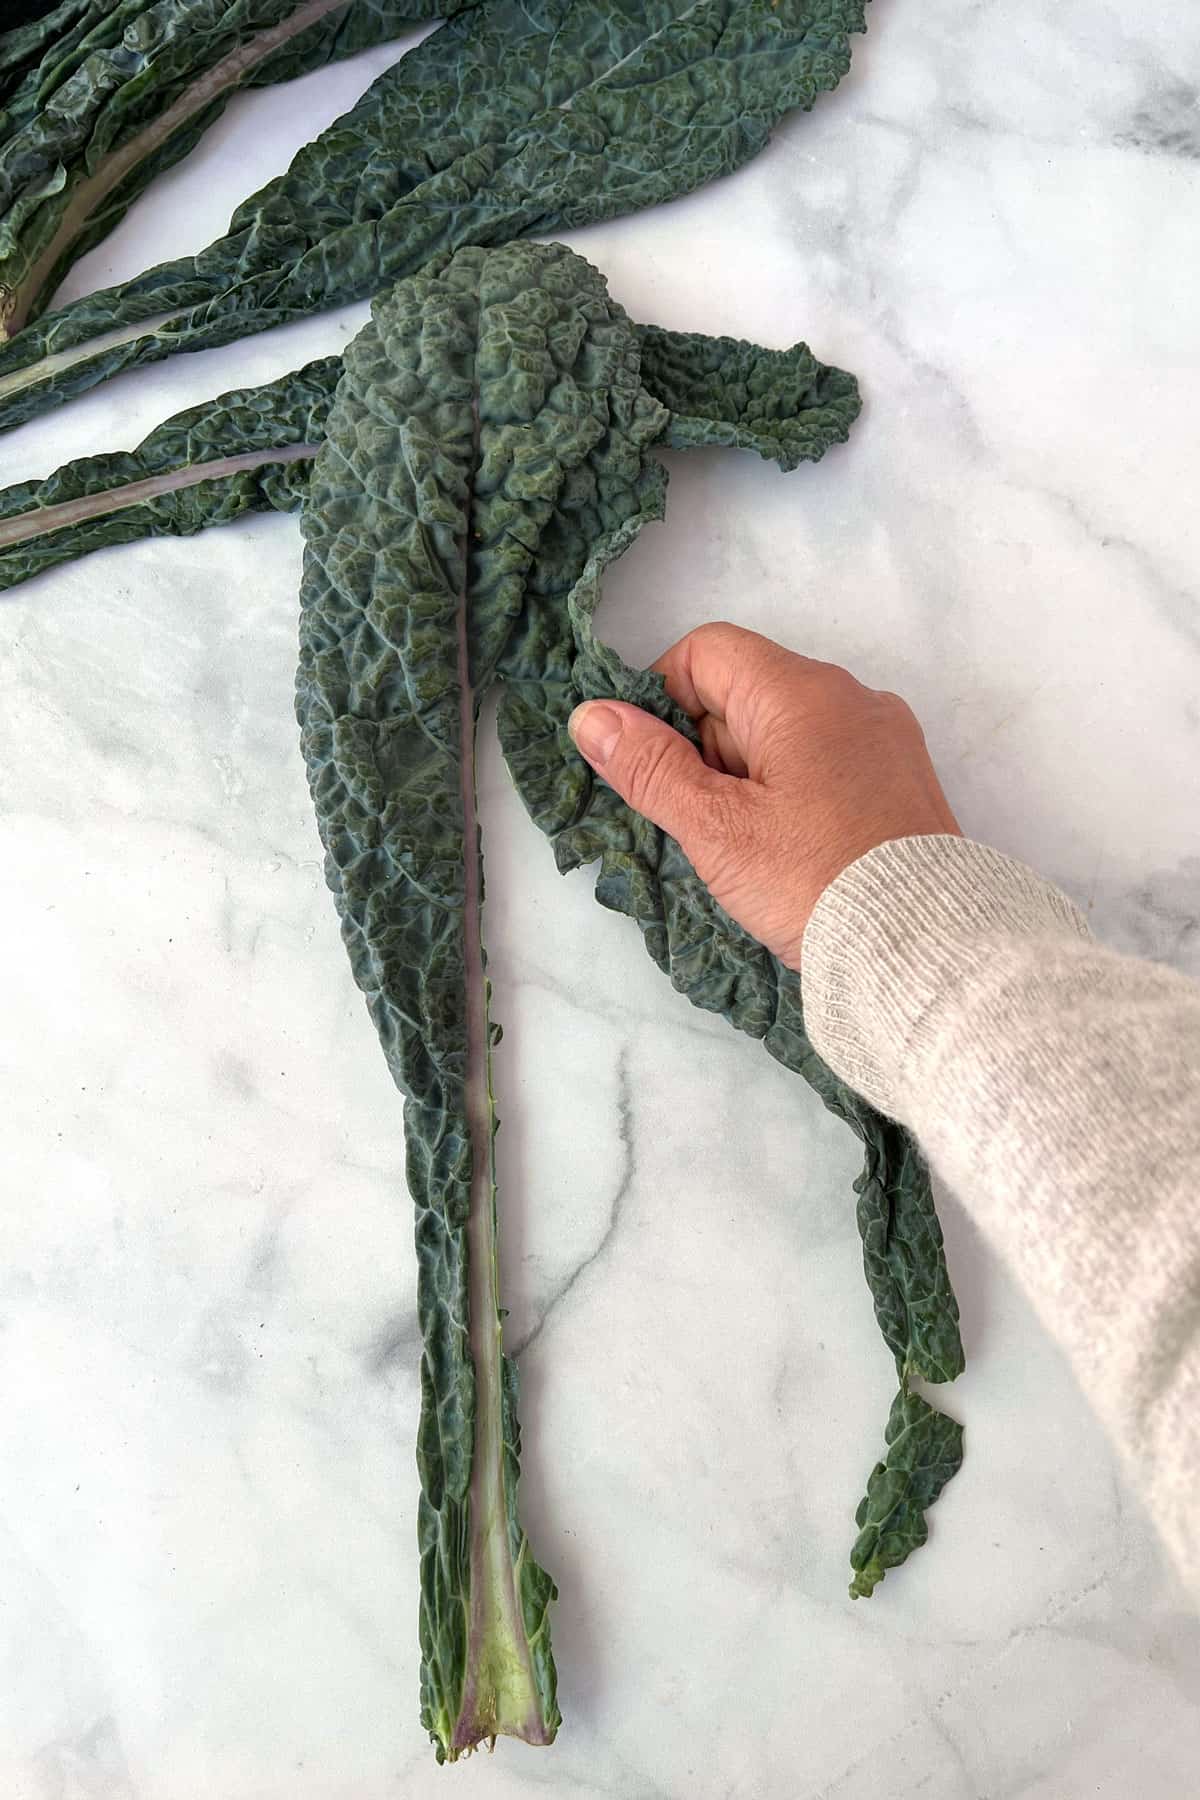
595 729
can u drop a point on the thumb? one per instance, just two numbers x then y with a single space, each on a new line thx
652 767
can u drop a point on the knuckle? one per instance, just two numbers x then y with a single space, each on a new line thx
897 712
716 630
841 687
719 640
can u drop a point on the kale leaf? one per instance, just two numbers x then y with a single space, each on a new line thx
489 452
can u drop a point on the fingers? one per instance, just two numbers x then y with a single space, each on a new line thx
760 697
651 766
702 668
719 668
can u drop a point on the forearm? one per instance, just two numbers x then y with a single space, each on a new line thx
1056 1086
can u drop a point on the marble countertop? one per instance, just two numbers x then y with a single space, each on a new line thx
208 1351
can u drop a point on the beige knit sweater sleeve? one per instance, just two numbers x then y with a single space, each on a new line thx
1056 1086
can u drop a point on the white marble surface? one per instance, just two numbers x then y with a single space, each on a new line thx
207 1343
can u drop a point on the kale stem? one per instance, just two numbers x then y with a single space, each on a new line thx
499 1691
39 521
57 362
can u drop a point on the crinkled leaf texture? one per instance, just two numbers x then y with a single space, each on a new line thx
924 1451
99 96
488 453
248 451
515 118
251 450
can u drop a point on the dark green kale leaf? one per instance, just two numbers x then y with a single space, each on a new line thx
483 390
210 464
783 404
248 451
517 118
489 450
98 98
924 1451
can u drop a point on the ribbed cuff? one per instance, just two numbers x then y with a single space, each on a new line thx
900 934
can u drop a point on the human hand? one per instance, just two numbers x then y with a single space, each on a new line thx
802 770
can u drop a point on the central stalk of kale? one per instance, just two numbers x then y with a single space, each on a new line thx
499 1694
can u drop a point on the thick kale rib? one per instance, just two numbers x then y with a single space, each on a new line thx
98 98
518 117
